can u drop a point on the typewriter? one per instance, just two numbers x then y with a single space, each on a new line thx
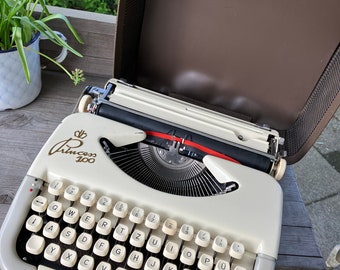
138 180
167 169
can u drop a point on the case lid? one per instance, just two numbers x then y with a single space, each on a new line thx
275 63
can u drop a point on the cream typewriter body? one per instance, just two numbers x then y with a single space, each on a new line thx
138 180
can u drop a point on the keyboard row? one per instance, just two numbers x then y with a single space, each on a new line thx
79 230
118 254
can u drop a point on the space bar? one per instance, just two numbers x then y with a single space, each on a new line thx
42 267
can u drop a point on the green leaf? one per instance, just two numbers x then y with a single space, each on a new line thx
44 8
20 47
67 22
42 27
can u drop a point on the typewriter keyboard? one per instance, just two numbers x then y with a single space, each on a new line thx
69 227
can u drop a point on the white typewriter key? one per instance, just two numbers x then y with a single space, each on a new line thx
55 209
222 265
88 198
169 226
171 250
188 256
118 253
239 268
68 236
39 204
120 209
52 252
135 259
51 230
101 247
202 238
137 215
42 267
152 221
236 250
186 232
35 245
154 244
220 244
71 215
87 221
103 266
152 263
104 226
121 233
104 204
56 188
86 263
205 262
72 193
169 266
84 241
137 238
68 258
34 223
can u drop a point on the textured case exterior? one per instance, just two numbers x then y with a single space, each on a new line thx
271 63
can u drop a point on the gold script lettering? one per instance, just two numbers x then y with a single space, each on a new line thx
66 147
71 147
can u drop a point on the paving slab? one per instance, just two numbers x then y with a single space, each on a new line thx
328 144
317 179
325 217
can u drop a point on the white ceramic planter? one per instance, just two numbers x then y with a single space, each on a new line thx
14 90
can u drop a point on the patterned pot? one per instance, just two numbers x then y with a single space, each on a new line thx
14 90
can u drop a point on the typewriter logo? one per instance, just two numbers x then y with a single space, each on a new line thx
72 147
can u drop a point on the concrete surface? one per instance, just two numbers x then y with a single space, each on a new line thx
318 176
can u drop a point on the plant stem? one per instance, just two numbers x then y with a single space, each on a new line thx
74 78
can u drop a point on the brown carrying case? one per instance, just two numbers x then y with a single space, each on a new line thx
275 63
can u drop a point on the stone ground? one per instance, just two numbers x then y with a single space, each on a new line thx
318 176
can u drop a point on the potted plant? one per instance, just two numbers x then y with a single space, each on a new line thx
20 32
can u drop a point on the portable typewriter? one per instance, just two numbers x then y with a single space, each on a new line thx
125 184
150 172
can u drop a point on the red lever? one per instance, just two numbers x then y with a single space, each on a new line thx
200 147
